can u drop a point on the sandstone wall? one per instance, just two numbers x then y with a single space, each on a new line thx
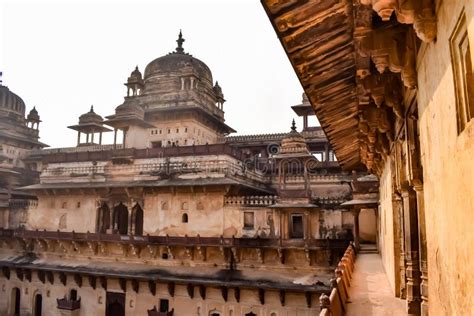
93 302
386 225
448 170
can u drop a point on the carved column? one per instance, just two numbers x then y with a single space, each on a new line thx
356 213
411 251
400 236
423 249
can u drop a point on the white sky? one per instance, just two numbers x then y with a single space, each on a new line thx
63 56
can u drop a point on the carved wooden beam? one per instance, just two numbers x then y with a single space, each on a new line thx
308 299
19 273
103 282
92 281
6 272
190 290
282 297
41 276
152 287
63 278
202 291
237 294
171 287
224 292
135 285
261 296
123 284
78 279
50 277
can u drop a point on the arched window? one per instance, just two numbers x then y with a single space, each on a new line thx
121 219
137 220
73 295
38 307
15 301
103 219
184 218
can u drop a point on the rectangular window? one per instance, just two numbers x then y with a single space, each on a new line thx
164 305
296 228
463 73
248 220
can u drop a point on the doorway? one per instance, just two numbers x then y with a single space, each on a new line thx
115 304
296 226
38 307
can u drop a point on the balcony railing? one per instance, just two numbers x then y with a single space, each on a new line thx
64 303
175 241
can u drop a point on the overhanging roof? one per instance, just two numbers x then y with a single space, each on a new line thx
318 38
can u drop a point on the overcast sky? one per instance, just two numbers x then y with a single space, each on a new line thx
64 56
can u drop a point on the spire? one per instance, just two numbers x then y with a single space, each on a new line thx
180 41
293 126
1 80
92 109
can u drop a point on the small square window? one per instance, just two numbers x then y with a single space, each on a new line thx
248 220
164 305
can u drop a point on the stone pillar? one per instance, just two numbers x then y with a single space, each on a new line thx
305 122
87 138
411 251
78 138
423 249
124 137
356 213
92 137
100 138
115 138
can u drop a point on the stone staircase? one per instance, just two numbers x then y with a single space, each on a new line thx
368 248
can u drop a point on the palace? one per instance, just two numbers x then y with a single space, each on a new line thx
175 217
391 82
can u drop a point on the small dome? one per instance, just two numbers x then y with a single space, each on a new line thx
33 115
130 107
135 76
218 91
11 102
294 142
90 117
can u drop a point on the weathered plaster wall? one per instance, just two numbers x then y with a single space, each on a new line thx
386 232
63 212
448 170
367 225
93 302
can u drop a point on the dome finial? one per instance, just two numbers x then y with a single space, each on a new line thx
293 126
92 109
180 42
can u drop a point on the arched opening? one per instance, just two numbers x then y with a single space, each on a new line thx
251 314
38 305
121 219
103 219
73 295
137 220
184 218
15 301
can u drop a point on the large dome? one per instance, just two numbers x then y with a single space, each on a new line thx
178 63
11 102
177 71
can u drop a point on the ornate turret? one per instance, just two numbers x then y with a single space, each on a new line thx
90 123
135 83
33 118
294 143
219 96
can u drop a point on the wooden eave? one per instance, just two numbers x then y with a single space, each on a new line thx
318 39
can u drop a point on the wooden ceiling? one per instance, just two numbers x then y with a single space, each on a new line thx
318 39
355 60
